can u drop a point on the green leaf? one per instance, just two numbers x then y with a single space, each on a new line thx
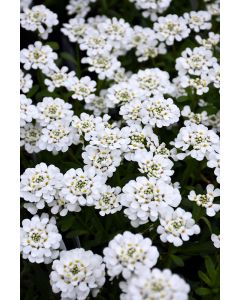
182 99
203 291
53 45
33 91
66 223
206 221
69 57
205 278
210 268
177 260
76 232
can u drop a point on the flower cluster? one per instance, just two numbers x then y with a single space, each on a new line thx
206 200
77 273
40 240
155 284
128 147
39 18
129 254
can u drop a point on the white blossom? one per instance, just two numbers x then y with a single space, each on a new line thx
28 111
58 136
105 161
30 135
216 240
40 240
145 199
77 273
50 110
83 88
206 200
59 78
155 285
25 82
129 254
171 28
39 18
40 184
198 20
159 112
38 56
197 141
108 201
82 186
176 226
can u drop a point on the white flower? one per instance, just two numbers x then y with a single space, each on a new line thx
30 135
39 18
216 240
178 90
129 254
214 75
152 81
131 112
171 28
24 4
61 206
157 111
206 200
87 124
162 150
59 78
28 111
209 43
146 198
140 138
25 82
119 34
214 162
214 9
104 65
111 138
197 118
109 200
75 29
77 273
176 226
83 88
122 93
155 166
40 184
151 8
82 186
104 161
195 62
79 7
52 110
38 56
155 285
198 84
197 141
198 20
40 240
95 43
58 136
146 43
98 104
121 75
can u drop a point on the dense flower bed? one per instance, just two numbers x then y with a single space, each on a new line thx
120 149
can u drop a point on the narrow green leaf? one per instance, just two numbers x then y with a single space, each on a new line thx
177 260
202 291
68 57
210 267
205 278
